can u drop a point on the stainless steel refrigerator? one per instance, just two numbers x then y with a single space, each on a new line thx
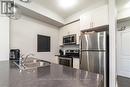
94 54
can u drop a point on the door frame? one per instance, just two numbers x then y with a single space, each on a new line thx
112 43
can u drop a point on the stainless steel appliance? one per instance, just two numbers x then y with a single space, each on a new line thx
69 39
14 54
66 61
62 52
95 54
72 53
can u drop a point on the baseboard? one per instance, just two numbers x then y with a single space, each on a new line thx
124 74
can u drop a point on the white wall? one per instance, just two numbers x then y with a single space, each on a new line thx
124 13
123 9
4 38
24 37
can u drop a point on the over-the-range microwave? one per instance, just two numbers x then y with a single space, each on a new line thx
69 39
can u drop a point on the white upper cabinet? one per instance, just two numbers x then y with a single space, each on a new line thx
100 16
73 28
94 18
85 21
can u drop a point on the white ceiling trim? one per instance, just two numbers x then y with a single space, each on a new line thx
39 9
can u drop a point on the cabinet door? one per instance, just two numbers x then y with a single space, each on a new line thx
85 21
73 28
100 16
95 18
76 63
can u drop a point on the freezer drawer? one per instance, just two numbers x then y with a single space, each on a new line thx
93 61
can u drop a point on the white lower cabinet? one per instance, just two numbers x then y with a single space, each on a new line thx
76 63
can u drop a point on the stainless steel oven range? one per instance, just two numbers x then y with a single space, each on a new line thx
66 61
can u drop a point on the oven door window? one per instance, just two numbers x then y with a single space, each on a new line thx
66 62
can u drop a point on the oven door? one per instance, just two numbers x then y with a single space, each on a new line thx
66 61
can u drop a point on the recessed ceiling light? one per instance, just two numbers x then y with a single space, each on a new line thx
66 4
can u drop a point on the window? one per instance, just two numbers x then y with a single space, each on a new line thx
43 43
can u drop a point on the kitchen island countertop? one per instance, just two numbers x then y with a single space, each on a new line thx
53 75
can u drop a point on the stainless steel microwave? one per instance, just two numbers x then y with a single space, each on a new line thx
69 39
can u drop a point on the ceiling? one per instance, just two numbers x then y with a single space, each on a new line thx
53 6
121 3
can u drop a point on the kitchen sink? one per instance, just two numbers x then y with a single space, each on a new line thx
31 63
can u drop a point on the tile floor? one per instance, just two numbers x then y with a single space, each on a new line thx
123 81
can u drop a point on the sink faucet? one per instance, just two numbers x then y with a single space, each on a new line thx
28 56
23 60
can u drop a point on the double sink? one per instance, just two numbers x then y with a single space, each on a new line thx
31 63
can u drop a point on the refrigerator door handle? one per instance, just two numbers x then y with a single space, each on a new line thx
88 62
80 47
100 62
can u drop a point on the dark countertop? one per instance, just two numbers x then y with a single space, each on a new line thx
50 76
